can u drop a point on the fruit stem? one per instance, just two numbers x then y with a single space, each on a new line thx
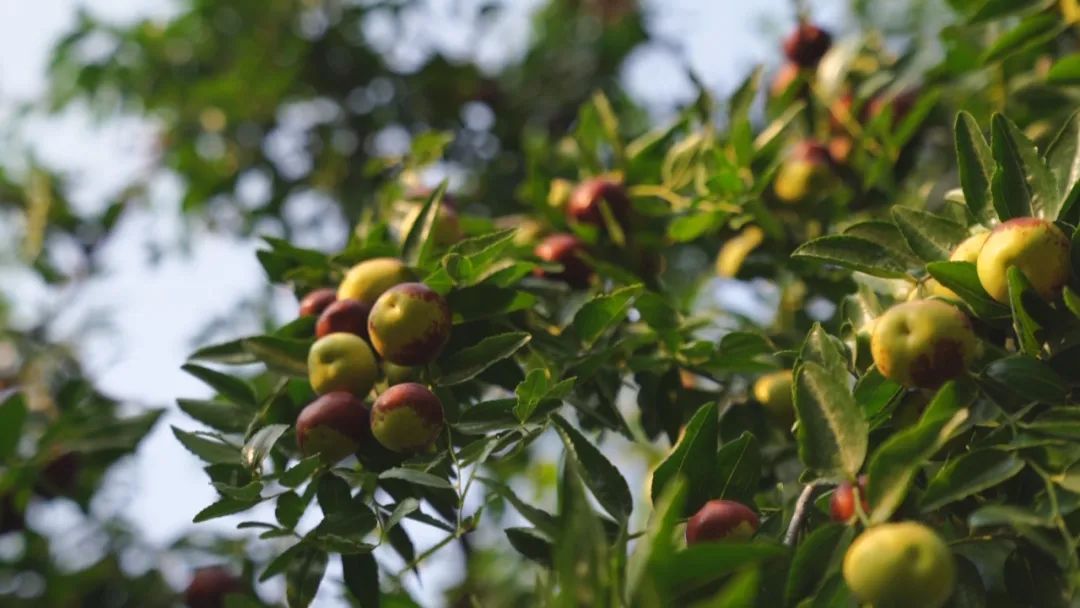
805 498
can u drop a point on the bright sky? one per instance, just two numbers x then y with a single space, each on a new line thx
157 310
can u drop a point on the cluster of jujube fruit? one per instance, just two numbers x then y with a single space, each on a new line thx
920 344
380 316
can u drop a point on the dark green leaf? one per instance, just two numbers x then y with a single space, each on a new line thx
361 573
693 460
976 165
1033 30
223 507
967 475
258 447
13 413
209 450
963 279
304 575
472 361
853 253
601 312
233 389
930 236
603 479
283 355
416 477
218 415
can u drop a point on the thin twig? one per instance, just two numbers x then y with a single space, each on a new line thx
799 515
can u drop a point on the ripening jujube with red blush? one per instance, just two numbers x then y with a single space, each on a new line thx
722 520
842 503
312 304
410 324
586 201
564 249
407 417
345 316
210 586
334 426
923 344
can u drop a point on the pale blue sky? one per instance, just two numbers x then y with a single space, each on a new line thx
157 311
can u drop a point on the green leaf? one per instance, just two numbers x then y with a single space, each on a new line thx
228 353
1041 182
706 562
218 415
283 355
833 431
692 460
258 447
361 574
403 508
1066 71
1032 31
1029 377
853 253
997 515
209 450
470 362
963 279
1063 158
416 244
545 523
233 389
603 479
970 474
531 543
537 387
657 544
996 9
486 301
416 477
930 236
976 166
1023 323
13 412
300 472
888 235
1009 184
816 556
223 507
304 575
289 509
686 228
601 312
896 461
737 470
334 495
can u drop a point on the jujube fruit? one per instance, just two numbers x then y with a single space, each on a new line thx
368 280
806 173
586 200
722 520
923 343
410 324
900 565
565 249
407 417
342 362
966 251
316 301
334 426
1038 248
807 45
773 392
842 503
344 316
210 586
